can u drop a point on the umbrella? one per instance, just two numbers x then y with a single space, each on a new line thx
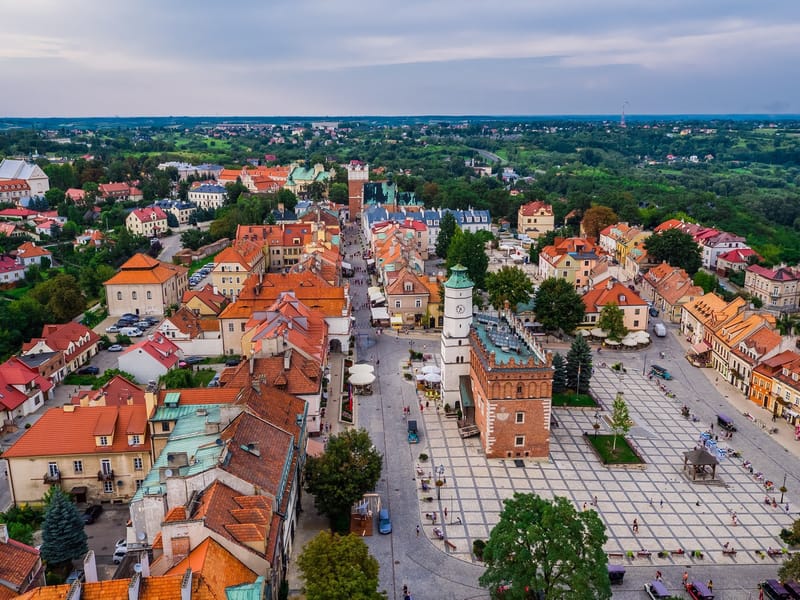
611 343
599 333
584 332
420 376
362 378
361 368
629 343
433 378
431 369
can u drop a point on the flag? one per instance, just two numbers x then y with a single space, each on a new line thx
350 397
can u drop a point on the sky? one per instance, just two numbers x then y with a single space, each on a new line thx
400 57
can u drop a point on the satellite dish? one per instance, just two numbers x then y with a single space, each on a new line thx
168 472
141 536
137 568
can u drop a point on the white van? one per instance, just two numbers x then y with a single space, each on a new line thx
660 330
131 331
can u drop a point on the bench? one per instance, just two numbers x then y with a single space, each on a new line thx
450 545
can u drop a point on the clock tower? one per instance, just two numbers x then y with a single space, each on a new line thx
455 348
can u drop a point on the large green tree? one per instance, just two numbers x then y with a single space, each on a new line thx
559 373
676 248
509 283
467 249
549 547
339 567
596 219
63 536
349 467
612 321
61 296
579 366
447 229
558 306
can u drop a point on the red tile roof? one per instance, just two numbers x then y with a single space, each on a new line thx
118 391
303 377
608 292
30 250
71 338
160 348
18 562
217 567
72 430
152 213
536 207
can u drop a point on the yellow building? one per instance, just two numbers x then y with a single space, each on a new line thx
97 453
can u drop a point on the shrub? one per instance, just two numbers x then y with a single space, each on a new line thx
423 457
477 548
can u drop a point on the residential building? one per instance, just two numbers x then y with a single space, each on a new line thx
77 342
75 195
21 567
571 259
407 298
778 288
535 219
90 238
763 380
633 307
204 302
149 359
50 365
96 453
182 211
208 196
669 288
11 271
697 313
752 350
28 253
727 332
235 264
736 260
721 243
185 170
145 286
117 391
149 222
193 334
22 390
118 192
282 244
13 190
31 173
785 392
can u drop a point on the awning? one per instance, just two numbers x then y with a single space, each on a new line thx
700 348
78 490
379 313
315 447
397 320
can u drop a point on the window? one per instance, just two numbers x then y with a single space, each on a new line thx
139 483
105 466
119 295
103 440
519 440
77 465
418 303
397 303
138 465
164 425
636 323
149 295
52 469
230 327
136 440
636 312
133 295
520 417
108 487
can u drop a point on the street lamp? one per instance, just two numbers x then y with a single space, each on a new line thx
783 488
644 364
596 423
439 481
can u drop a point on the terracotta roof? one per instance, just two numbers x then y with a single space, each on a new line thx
219 569
142 269
160 348
151 588
779 274
536 207
118 391
607 292
703 307
29 250
18 562
177 513
151 213
65 431
397 286
762 341
9 185
110 188
222 395
65 337
215 302
290 319
303 377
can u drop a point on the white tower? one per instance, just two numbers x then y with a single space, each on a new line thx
455 333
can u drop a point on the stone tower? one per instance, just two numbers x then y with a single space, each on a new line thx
455 333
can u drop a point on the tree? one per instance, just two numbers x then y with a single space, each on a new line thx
194 238
579 366
339 194
61 296
467 249
786 324
612 321
707 281
234 190
543 240
790 569
339 567
620 419
447 229
63 536
172 220
509 283
175 379
549 547
349 467
287 198
559 373
676 248
558 306
596 219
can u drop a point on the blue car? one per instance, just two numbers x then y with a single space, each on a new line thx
384 522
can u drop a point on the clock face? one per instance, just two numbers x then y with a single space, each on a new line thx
460 308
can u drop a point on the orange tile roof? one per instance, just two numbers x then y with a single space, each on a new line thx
533 208
141 269
288 318
215 302
118 391
160 348
18 562
397 286
607 292
61 432
29 249
303 377
218 568
177 513
192 396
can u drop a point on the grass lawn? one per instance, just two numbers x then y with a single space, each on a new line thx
198 264
572 399
203 376
623 455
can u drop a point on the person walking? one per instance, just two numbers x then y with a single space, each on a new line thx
635 526
710 585
417 530
685 578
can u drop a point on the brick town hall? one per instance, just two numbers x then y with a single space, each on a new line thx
497 374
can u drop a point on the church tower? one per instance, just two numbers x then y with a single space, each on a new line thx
455 333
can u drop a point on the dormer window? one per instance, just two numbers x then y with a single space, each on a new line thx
103 440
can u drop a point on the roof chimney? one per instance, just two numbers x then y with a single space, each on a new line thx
186 585
144 563
133 587
90 567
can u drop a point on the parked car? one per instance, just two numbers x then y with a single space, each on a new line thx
660 371
131 331
121 543
91 513
232 362
659 329
130 316
142 324
119 555
124 323
193 360
90 370
384 522
75 575
112 329
115 348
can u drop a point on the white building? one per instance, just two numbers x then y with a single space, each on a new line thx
38 182
455 347
208 196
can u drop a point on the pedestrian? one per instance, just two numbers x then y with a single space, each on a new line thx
786 507
635 526
417 530
734 519
710 585
584 507
661 503
685 578
658 576
445 512
595 501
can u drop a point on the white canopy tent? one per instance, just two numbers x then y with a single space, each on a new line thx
361 368
362 378
431 369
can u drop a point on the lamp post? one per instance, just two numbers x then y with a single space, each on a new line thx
644 364
783 488
439 481
596 423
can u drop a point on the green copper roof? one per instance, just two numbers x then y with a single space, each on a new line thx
458 278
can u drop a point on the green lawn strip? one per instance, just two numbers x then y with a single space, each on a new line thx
573 399
623 455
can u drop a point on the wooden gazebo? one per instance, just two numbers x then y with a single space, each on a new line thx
698 461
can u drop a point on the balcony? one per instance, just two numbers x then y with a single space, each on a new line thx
105 476
51 478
